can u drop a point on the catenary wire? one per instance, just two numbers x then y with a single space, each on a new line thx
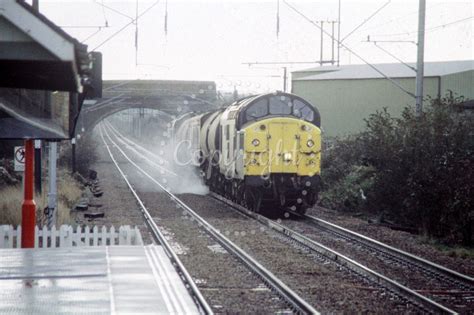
126 25
428 29
350 50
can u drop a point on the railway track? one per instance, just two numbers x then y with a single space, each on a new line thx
297 304
410 295
159 237
145 153
443 285
398 289
463 282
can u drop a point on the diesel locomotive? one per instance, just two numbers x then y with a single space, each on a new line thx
263 151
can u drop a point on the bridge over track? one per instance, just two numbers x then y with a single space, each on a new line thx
171 97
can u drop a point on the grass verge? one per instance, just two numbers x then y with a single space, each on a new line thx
11 198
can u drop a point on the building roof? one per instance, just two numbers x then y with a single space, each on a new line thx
37 54
57 29
392 70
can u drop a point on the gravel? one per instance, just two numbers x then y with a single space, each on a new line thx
410 277
118 203
414 244
225 283
325 285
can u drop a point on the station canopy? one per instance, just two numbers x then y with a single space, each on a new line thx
43 70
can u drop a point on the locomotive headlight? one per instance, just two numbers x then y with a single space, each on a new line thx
255 142
287 157
310 143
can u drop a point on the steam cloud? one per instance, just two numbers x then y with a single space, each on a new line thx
166 160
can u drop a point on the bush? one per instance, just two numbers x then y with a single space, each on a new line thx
348 193
418 171
8 176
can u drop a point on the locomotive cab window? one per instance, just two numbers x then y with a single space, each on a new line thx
302 110
280 105
257 110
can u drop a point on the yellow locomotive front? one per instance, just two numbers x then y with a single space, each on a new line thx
280 151
282 145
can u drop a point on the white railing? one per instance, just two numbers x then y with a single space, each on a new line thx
66 236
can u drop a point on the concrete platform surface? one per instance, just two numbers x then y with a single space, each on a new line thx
91 280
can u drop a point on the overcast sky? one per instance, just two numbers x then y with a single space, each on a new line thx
209 40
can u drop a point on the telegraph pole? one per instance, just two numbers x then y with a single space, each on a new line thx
322 42
420 58
332 38
331 35
339 33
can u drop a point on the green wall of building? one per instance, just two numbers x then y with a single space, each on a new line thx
344 104
461 83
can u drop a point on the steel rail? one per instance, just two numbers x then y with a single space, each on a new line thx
390 284
393 286
275 284
159 237
119 137
118 134
443 272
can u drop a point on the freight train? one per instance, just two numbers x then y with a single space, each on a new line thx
262 151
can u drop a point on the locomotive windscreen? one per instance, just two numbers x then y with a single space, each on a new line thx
278 105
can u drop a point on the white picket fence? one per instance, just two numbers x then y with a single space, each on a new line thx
65 236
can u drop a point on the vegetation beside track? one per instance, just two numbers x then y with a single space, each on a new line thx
11 198
415 171
69 189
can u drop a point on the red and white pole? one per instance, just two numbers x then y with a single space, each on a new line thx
28 208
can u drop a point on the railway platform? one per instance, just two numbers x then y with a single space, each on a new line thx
91 280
